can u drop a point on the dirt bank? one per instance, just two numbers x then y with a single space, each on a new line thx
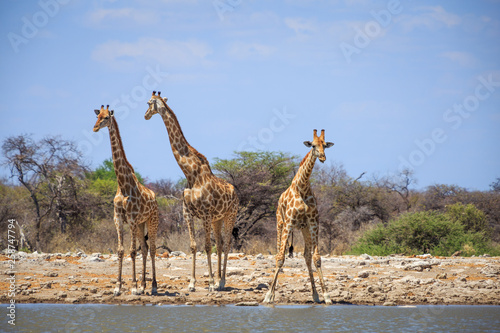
393 280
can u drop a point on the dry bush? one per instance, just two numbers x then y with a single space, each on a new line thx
265 244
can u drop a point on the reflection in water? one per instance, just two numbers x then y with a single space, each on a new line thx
170 318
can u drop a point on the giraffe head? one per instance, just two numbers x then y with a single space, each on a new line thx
155 105
104 116
319 145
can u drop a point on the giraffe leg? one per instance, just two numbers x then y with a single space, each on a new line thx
317 263
208 249
279 229
152 231
228 233
119 218
280 256
190 224
133 254
308 257
144 252
218 243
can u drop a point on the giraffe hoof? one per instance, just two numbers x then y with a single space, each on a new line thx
116 292
191 289
328 301
269 298
154 291
316 298
136 291
220 286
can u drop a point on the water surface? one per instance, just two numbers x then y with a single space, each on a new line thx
230 318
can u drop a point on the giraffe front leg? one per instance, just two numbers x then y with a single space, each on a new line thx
190 224
284 230
119 219
144 252
133 254
317 263
152 231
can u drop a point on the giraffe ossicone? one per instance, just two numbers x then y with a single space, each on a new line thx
133 203
297 208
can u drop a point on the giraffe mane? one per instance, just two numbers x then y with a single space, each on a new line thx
304 159
115 124
173 115
202 157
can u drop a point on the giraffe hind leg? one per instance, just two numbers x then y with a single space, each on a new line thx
219 245
227 237
208 250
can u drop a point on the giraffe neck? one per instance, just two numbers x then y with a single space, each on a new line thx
124 171
301 179
180 146
183 152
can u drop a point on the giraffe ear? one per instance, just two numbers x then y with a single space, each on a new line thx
97 111
111 112
329 144
165 99
308 144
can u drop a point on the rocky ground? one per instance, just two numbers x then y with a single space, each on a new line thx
392 280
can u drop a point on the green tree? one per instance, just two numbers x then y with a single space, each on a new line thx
469 216
103 180
259 179
106 171
425 232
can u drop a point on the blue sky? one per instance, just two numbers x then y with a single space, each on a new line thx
395 83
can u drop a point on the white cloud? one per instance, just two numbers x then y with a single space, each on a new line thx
462 58
140 16
430 18
167 53
301 26
248 50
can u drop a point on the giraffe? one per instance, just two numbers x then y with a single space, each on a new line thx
133 203
206 197
297 208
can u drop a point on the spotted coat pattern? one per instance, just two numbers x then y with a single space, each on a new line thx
207 197
297 209
133 204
